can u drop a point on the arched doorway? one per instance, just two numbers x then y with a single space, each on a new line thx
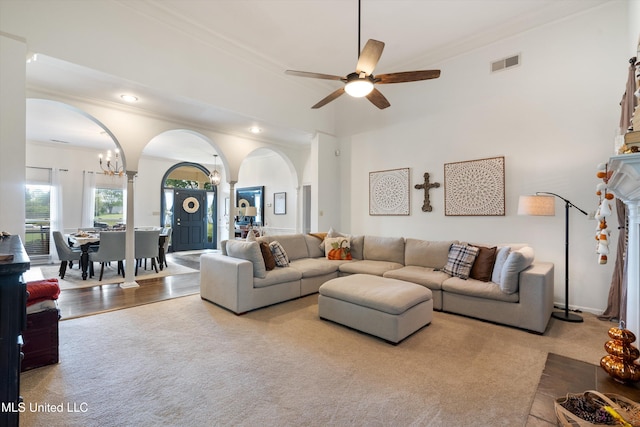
189 204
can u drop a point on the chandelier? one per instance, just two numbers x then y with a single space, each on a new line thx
112 168
214 176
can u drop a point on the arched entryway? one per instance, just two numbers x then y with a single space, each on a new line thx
189 205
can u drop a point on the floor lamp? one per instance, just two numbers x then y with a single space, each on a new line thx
543 203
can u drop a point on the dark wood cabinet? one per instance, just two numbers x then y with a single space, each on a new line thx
13 317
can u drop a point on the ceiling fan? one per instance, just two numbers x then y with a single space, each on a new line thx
361 82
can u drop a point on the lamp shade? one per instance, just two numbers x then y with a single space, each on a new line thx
537 205
251 211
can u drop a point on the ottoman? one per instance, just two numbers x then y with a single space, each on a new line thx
387 308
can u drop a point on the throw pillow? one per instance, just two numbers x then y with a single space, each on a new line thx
460 260
249 251
334 233
516 262
251 236
267 255
501 258
483 265
280 256
338 248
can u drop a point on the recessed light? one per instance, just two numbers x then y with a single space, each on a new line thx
255 129
129 98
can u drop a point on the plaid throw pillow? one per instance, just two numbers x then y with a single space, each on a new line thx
282 260
460 260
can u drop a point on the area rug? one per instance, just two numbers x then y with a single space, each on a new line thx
73 277
189 362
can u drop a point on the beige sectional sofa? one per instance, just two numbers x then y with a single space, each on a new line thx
519 294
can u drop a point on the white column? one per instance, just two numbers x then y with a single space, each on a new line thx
633 270
130 259
232 209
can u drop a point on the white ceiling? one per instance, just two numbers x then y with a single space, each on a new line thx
307 35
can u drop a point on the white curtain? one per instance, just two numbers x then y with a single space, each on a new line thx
88 199
56 219
168 209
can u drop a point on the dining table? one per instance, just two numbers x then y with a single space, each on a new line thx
85 240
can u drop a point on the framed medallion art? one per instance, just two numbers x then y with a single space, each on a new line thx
474 188
279 203
389 192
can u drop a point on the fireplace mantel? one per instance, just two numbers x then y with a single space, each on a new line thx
625 184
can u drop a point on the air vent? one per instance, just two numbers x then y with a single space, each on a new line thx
505 63
59 141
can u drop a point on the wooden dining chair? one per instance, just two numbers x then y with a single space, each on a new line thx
65 253
111 249
146 246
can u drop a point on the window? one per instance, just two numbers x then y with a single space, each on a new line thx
37 221
109 207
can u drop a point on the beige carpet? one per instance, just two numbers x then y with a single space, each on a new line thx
73 277
186 362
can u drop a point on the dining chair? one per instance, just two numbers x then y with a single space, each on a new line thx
65 253
146 246
166 231
111 249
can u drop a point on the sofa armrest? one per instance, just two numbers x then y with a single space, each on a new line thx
224 280
536 294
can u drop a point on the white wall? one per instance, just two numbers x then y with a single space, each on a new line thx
12 151
553 119
267 168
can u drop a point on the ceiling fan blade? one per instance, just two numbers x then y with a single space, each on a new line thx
407 76
378 99
313 75
369 56
329 98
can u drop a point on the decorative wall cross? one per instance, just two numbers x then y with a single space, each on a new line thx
426 206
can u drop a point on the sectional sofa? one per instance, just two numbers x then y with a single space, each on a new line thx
518 291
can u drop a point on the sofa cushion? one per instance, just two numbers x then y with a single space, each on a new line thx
294 245
425 253
277 276
424 276
516 262
483 265
389 249
313 241
478 289
249 251
357 247
267 256
312 267
376 268
460 260
337 248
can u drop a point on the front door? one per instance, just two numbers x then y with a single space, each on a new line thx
190 210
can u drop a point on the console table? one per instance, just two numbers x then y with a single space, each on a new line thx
625 184
13 317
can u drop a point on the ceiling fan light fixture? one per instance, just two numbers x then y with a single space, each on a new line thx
129 98
359 87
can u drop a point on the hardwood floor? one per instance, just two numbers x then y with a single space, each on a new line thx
97 299
563 375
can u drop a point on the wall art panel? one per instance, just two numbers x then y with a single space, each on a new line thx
389 192
474 188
